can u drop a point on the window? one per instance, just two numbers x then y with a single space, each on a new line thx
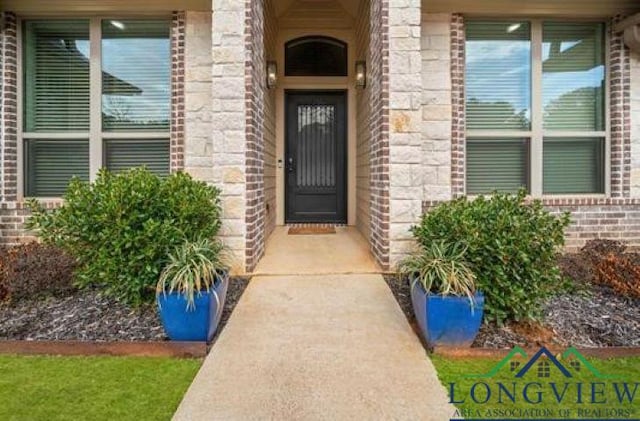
315 56
535 107
96 93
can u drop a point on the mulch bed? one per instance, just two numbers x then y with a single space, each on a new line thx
90 316
595 316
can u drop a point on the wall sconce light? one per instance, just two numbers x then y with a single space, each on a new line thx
361 74
272 74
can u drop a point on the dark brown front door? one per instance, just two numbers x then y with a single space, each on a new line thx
315 161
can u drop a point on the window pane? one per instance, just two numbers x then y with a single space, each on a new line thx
573 165
56 75
573 76
122 155
498 75
50 165
496 165
135 75
315 56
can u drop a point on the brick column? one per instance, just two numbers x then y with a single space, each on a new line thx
9 108
378 86
405 124
255 82
178 23
228 121
620 104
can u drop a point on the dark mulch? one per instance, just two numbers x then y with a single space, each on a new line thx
90 316
592 316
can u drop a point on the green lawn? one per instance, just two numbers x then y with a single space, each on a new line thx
92 388
625 370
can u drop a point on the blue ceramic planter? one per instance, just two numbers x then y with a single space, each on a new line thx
447 320
195 324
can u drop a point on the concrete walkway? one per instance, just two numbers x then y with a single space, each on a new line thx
333 347
346 251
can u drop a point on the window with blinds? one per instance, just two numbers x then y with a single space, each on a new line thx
564 75
132 115
56 76
498 75
120 155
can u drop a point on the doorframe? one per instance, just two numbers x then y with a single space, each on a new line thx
345 181
322 83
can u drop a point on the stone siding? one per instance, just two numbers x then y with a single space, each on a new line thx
199 143
405 124
228 122
436 106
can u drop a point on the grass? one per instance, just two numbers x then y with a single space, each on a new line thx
457 371
92 388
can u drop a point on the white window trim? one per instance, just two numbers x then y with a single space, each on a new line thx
95 135
537 133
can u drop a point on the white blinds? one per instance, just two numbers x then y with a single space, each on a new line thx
573 76
498 75
56 69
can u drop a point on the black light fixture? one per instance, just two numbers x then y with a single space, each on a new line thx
272 74
361 74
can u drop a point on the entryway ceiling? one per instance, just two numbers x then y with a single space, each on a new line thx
316 14
350 6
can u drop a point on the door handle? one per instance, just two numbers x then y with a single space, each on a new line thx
290 166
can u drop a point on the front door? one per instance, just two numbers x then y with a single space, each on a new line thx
315 161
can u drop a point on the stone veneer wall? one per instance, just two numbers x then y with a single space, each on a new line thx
436 106
405 124
229 121
199 143
269 129
378 80
363 131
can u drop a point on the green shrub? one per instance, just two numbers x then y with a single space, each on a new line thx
512 245
122 227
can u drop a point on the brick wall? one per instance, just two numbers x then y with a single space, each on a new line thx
635 124
178 22
620 109
9 109
378 64
363 132
458 125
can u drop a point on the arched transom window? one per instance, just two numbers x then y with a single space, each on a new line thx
315 56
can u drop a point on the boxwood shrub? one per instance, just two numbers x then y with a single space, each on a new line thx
121 227
512 244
